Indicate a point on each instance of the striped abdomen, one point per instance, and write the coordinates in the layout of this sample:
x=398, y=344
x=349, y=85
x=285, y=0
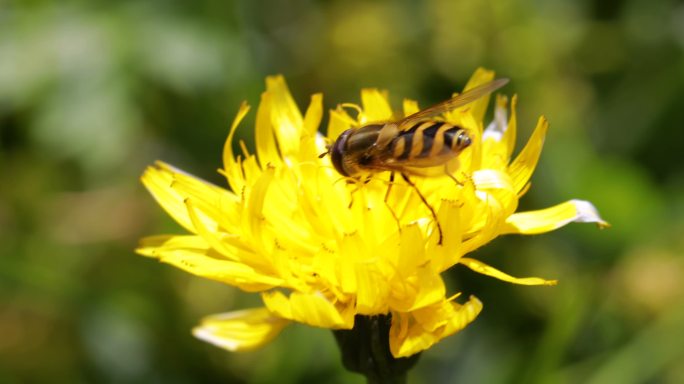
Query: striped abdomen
x=429, y=143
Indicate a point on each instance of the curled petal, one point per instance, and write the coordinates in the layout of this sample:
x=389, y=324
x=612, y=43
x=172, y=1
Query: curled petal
x=497, y=185
x=431, y=288
x=545, y=220
x=496, y=129
x=511, y=130
x=522, y=167
x=498, y=139
x=485, y=269
x=230, y=165
x=240, y=330
x=413, y=332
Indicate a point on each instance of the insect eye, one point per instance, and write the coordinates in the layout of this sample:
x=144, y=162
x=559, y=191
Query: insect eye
x=337, y=151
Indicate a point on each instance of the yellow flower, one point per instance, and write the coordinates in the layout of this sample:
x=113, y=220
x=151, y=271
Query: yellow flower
x=321, y=250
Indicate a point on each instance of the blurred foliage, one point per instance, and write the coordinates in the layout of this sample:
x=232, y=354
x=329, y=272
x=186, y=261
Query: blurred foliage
x=92, y=91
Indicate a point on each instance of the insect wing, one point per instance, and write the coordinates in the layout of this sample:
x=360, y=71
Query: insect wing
x=464, y=98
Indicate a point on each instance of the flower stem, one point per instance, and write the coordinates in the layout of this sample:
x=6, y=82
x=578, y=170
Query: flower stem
x=365, y=349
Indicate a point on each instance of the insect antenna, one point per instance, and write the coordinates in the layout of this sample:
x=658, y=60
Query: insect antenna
x=327, y=150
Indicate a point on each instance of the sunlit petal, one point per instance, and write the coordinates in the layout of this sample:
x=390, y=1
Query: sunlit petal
x=522, y=167
x=545, y=220
x=414, y=332
x=478, y=107
x=203, y=263
x=240, y=330
x=309, y=308
x=485, y=269
x=375, y=106
x=286, y=118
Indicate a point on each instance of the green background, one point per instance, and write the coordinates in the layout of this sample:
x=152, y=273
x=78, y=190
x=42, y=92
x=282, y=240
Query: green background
x=92, y=92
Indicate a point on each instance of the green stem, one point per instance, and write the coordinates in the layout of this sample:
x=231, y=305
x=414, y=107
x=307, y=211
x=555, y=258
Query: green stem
x=365, y=349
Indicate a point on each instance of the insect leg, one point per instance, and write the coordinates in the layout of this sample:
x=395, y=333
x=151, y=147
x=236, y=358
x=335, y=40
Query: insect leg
x=452, y=177
x=351, y=195
x=450, y=168
x=434, y=214
x=358, y=186
x=389, y=188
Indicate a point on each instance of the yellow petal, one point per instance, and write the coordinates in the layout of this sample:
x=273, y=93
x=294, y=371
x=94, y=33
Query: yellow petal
x=497, y=185
x=253, y=219
x=351, y=249
x=163, y=182
x=264, y=137
x=500, y=134
x=422, y=288
x=151, y=246
x=486, y=219
x=310, y=308
x=286, y=118
x=411, y=253
x=227, y=245
x=375, y=106
x=485, y=269
x=218, y=204
x=240, y=330
x=314, y=114
x=372, y=290
x=449, y=252
x=339, y=122
x=545, y=220
x=471, y=159
x=511, y=130
x=431, y=288
x=410, y=107
x=232, y=170
x=522, y=167
x=414, y=332
x=448, y=316
x=191, y=255
x=479, y=107
x=499, y=137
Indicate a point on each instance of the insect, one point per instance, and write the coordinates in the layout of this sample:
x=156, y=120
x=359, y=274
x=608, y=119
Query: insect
x=404, y=146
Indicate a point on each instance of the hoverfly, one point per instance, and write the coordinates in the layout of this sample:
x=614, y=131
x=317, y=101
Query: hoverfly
x=416, y=141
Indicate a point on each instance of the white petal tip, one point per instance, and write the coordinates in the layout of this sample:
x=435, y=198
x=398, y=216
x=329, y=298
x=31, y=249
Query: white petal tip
x=205, y=334
x=587, y=213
